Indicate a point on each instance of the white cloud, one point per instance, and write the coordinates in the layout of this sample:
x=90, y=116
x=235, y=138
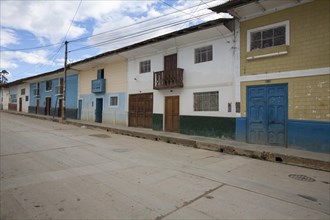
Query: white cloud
x=9, y=59
x=8, y=37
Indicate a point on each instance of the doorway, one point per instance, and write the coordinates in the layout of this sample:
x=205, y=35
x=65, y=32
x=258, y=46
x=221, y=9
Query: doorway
x=20, y=104
x=37, y=105
x=79, y=109
x=172, y=113
x=267, y=114
x=141, y=110
x=48, y=105
x=98, y=110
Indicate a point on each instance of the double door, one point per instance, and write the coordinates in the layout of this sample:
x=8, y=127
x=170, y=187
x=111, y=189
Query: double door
x=267, y=114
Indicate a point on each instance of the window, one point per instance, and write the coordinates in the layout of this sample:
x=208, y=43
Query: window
x=100, y=74
x=22, y=91
x=26, y=98
x=48, y=85
x=145, y=66
x=268, y=36
x=113, y=101
x=203, y=54
x=13, y=98
x=206, y=101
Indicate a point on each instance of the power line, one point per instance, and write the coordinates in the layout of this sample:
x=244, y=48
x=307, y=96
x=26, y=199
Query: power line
x=140, y=33
x=137, y=23
x=29, y=48
x=72, y=20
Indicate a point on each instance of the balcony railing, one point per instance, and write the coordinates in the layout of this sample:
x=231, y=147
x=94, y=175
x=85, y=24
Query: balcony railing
x=98, y=86
x=36, y=92
x=59, y=90
x=168, y=79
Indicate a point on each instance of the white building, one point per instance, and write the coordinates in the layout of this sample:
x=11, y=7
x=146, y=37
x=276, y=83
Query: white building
x=186, y=81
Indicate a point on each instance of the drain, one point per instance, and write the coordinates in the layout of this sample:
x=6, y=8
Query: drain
x=100, y=135
x=301, y=178
x=308, y=197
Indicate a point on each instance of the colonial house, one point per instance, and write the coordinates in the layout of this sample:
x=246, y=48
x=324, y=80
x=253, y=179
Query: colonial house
x=284, y=72
x=46, y=94
x=102, y=90
x=185, y=81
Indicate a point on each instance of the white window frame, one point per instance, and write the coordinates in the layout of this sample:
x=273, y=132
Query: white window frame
x=113, y=106
x=283, y=23
x=200, y=48
x=140, y=66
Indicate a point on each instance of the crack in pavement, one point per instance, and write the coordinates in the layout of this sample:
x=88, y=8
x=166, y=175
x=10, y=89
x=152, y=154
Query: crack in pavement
x=189, y=202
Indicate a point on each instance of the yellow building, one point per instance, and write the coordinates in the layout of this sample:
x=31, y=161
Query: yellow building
x=284, y=72
x=102, y=89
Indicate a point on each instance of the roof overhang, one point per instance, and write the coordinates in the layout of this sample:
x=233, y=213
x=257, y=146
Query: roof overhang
x=248, y=9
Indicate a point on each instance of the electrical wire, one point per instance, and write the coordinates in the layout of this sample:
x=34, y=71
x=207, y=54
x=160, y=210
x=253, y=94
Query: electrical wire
x=140, y=33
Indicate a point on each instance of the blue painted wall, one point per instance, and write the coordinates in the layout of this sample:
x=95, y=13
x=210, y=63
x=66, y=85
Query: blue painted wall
x=241, y=129
x=71, y=94
x=71, y=91
x=309, y=135
x=111, y=115
x=302, y=134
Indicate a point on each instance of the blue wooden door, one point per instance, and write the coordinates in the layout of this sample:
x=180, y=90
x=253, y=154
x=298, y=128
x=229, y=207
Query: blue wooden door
x=98, y=110
x=79, y=109
x=267, y=113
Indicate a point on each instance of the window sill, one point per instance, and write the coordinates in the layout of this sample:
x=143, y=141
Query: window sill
x=267, y=52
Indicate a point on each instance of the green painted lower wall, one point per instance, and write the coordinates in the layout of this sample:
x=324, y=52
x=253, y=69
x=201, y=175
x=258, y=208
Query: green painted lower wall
x=208, y=126
x=157, y=122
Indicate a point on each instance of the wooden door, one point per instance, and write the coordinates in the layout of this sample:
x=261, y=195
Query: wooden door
x=20, y=104
x=170, y=62
x=141, y=110
x=60, y=106
x=48, y=105
x=37, y=105
x=99, y=110
x=172, y=113
x=267, y=114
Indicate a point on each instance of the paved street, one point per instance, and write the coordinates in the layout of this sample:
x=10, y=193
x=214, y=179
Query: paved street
x=55, y=171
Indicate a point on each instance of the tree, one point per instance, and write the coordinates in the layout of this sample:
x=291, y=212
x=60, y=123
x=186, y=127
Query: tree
x=3, y=76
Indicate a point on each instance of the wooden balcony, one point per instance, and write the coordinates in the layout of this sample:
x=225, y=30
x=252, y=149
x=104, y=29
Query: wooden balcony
x=168, y=79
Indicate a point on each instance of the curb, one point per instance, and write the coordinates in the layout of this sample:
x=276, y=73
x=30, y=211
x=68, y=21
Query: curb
x=219, y=147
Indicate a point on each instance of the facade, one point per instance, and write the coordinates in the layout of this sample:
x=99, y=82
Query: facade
x=102, y=92
x=185, y=81
x=284, y=69
x=23, y=96
x=47, y=94
x=4, y=97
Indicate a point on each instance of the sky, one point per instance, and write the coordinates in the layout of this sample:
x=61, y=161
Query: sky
x=33, y=32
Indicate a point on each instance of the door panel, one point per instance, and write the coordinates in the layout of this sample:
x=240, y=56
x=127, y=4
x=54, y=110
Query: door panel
x=141, y=110
x=37, y=105
x=79, y=109
x=99, y=110
x=60, y=106
x=267, y=114
x=20, y=104
x=170, y=62
x=172, y=113
x=48, y=105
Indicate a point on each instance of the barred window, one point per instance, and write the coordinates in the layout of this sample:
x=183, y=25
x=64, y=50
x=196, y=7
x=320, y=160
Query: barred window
x=203, y=54
x=206, y=101
x=145, y=66
x=13, y=98
x=268, y=38
x=113, y=101
x=22, y=91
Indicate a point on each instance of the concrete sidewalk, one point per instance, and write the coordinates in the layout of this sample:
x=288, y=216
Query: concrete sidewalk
x=313, y=160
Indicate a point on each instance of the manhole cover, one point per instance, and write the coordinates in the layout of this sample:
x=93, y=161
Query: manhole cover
x=301, y=178
x=100, y=135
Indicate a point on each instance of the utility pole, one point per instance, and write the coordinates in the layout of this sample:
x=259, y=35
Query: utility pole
x=64, y=81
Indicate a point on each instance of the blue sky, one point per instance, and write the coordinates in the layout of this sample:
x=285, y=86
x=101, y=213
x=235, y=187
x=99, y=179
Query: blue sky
x=33, y=32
